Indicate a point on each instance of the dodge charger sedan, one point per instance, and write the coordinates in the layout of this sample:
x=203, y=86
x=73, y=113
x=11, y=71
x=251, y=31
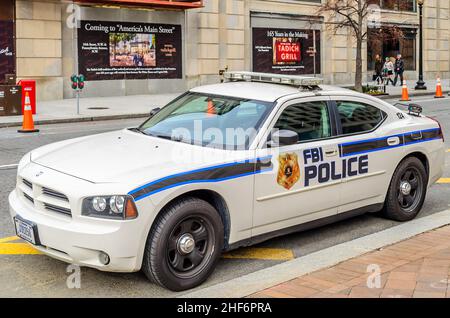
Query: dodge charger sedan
x=220, y=167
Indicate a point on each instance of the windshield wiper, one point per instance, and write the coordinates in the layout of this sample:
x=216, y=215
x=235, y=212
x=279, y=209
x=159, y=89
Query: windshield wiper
x=179, y=139
x=136, y=129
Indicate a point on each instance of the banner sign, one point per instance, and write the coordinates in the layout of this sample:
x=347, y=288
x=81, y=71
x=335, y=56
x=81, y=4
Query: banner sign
x=7, y=60
x=286, y=51
x=120, y=50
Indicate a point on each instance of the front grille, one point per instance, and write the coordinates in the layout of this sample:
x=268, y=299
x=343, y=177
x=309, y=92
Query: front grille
x=27, y=183
x=58, y=209
x=28, y=197
x=44, y=199
x=55, y=194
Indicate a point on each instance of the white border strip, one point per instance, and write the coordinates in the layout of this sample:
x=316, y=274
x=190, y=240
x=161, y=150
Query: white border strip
x=268, y=277
x=4, y=167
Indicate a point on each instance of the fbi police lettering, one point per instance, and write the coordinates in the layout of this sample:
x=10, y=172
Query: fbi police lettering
x=322, y=171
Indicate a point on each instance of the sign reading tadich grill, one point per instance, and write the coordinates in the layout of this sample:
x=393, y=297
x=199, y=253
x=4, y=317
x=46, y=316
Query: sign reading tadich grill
x=286, y=51
x=119, y=50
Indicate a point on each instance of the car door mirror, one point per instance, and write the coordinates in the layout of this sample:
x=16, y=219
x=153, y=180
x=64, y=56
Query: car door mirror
x=283, y=137
x=154, y=111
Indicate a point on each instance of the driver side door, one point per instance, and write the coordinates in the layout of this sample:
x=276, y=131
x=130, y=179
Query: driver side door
x=304, y=184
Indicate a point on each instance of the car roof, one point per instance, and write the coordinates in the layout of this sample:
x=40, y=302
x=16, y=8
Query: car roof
x=261, y=91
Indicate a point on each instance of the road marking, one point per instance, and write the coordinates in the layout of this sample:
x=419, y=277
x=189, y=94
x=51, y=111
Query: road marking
x=8, y=166
x=7, y=248
x=260, y=253
x=444, y=180
x=9, y=239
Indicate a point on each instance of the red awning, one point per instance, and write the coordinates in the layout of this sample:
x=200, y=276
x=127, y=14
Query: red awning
x=176, y=4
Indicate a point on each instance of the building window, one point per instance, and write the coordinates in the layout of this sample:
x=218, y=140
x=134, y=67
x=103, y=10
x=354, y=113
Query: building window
x=390, y=41
x=397, y=5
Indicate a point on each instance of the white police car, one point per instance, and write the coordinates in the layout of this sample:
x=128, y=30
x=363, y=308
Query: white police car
x=224, y=166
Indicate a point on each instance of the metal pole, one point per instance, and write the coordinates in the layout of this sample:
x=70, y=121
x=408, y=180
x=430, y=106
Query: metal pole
x=78, y=101
x=420, y=83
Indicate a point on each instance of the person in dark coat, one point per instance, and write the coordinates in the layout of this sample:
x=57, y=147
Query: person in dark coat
x=378, y=69
x=399, y=68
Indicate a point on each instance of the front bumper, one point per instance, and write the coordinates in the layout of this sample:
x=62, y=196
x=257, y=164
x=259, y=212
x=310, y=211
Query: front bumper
x=80, y=240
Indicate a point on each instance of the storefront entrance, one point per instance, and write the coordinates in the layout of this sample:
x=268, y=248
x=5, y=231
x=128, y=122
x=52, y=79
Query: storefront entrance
x=390, y=41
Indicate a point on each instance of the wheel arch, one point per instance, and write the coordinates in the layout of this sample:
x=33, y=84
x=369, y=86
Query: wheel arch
x=213, y=198
x=422, y=157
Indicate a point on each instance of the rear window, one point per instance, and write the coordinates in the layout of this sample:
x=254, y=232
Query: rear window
x=358, y=117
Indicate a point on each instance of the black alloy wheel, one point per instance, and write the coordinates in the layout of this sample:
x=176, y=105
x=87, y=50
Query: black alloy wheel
x=184, y=244
x=407, y=190
x=189, y=246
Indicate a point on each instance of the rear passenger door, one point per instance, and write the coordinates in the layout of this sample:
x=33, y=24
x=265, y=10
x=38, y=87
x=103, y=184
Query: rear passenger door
x=362, y=155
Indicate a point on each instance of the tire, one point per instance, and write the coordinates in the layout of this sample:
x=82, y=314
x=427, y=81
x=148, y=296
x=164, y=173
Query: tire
x=407, y=191
x=184, y=245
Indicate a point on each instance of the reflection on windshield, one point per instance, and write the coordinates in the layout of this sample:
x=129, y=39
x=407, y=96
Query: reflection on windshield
x=214, y=121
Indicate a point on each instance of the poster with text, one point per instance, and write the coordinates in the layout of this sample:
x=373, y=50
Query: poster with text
x=7, y=61
x=286, y=51
x=120, y=50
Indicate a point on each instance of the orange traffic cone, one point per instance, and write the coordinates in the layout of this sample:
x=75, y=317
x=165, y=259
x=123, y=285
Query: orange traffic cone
x=439, y=89
x=211, y=110
x=28, y=124
x=405, y=96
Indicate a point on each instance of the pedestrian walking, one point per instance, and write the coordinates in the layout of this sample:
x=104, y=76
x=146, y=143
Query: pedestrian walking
x=399, y=69
x=378, y=76
x=388, y=71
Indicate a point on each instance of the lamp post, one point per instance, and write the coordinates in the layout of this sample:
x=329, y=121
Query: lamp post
x=420, y=82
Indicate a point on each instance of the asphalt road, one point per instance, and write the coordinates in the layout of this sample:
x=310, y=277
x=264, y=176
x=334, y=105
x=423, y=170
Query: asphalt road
x=27, y=275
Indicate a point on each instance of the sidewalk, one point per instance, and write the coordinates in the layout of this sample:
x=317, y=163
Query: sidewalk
x=396, y=92
x=416, y=267
x=65, y=110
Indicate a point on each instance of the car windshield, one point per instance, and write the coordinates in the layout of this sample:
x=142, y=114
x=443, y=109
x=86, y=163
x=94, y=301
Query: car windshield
x=207, y=120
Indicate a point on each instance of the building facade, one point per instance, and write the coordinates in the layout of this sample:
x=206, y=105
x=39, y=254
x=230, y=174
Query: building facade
x=127, y=47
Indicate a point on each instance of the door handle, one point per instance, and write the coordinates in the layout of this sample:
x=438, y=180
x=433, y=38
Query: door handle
x=393, y=141
x=331, y=153
x=416, y=135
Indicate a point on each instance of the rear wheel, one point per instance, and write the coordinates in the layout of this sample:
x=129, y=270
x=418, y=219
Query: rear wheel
x=407, y=190
x=184, y=245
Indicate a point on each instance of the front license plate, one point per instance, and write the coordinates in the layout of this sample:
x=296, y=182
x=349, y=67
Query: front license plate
x=25, y=230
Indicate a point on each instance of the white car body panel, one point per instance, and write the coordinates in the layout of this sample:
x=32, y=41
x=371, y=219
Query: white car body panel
x=126, y=162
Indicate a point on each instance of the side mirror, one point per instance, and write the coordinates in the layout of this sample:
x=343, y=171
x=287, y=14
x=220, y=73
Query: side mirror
x=154, y=111
x=283, y=138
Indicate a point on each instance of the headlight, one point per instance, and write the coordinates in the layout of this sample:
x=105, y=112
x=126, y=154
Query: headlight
x=110, y=207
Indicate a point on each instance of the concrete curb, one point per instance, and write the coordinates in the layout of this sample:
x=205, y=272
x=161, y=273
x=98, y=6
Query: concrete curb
x=75, y=120
x=268, y=277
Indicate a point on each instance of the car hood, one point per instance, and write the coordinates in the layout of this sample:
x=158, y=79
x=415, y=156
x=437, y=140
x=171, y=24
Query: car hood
x=127, y=157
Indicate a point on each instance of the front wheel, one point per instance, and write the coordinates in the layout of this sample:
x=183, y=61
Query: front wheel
x=184, y=245
x=407, y=190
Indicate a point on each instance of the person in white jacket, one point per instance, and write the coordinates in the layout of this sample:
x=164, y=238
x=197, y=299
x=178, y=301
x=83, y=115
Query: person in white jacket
x=388, y=71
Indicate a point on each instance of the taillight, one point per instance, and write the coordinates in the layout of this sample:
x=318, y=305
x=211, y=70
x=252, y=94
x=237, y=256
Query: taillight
x=441, y=133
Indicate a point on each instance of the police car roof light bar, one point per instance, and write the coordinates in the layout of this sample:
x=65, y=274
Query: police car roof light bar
x=299, y=81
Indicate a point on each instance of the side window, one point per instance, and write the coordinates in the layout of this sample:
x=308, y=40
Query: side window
x=358, y=117
x=309, y=120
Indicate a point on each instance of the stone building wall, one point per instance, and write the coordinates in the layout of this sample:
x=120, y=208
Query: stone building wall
x=215, y=37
